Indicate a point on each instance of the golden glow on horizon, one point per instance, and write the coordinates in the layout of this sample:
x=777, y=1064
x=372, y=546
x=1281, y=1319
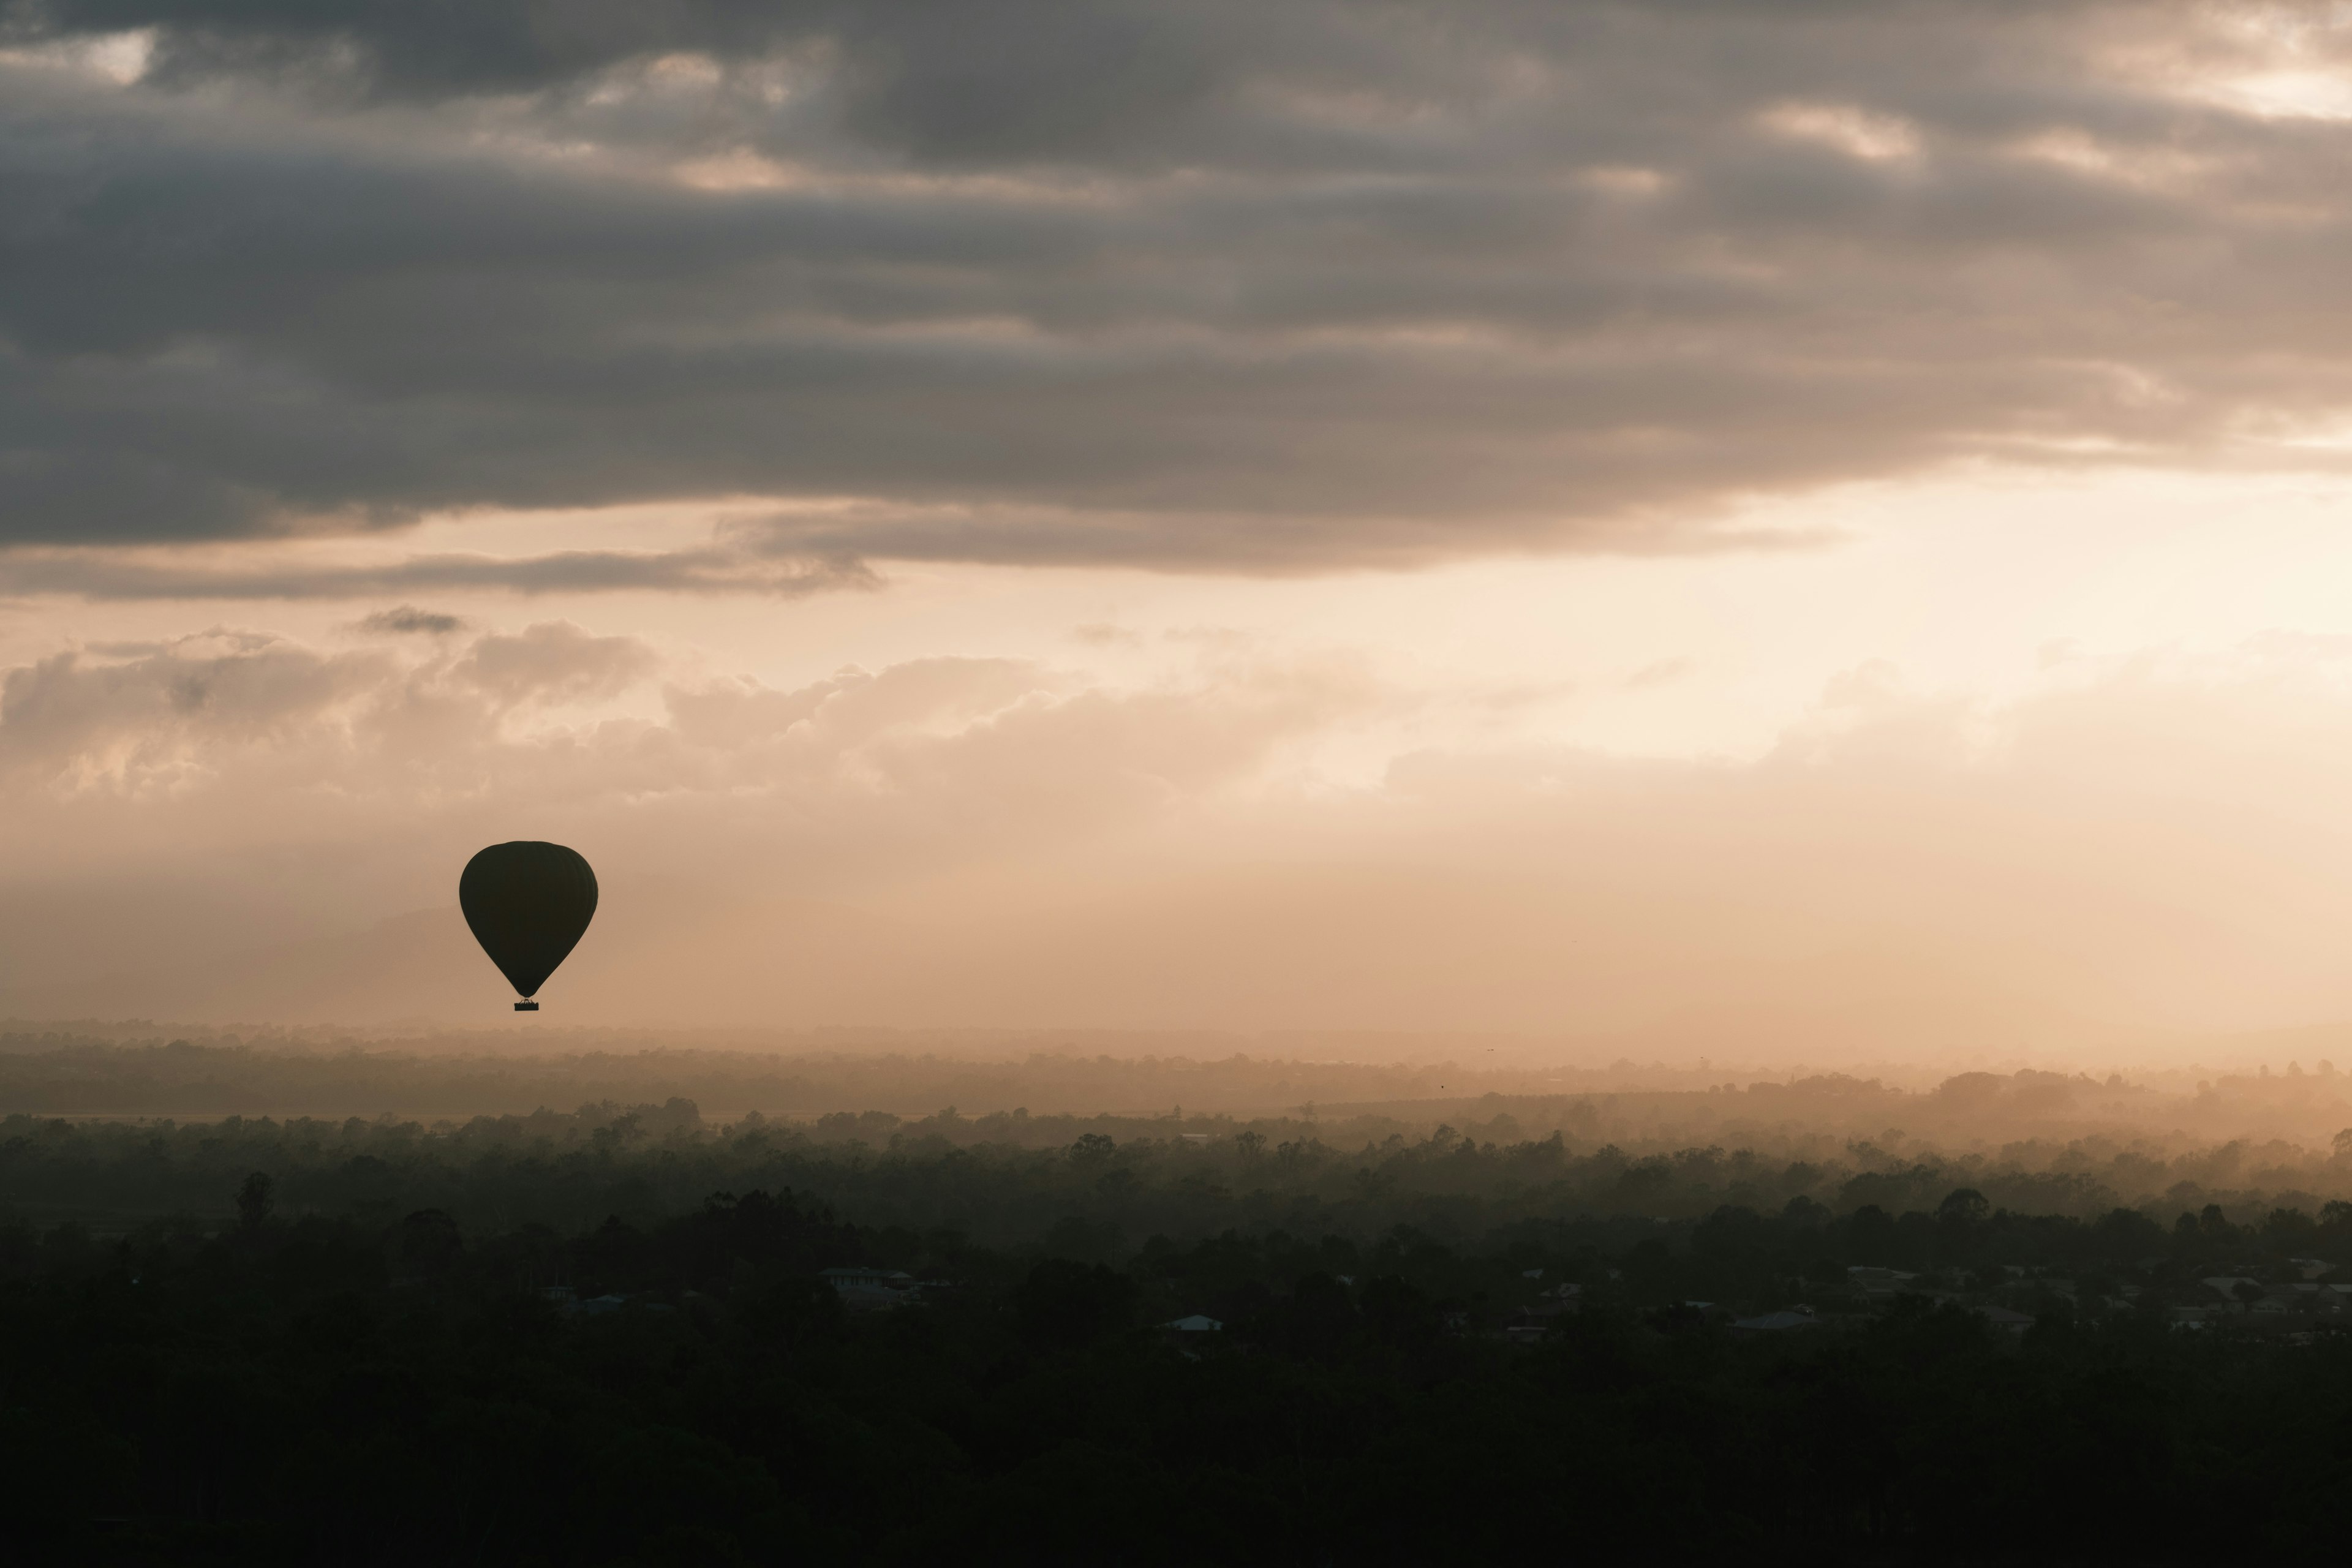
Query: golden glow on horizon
x=1568, y=648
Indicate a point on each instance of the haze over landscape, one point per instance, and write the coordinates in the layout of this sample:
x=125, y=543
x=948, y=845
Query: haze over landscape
x=1357, y=779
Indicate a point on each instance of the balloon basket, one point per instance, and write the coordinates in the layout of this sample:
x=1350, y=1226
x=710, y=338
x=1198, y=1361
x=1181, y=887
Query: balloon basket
x=526, y=1006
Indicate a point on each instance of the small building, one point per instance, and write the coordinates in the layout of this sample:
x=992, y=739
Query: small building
x=868, y=1277
x=1198, y=1323
x=2227, y=1286
x=1785, y=1321
x=869, y=1289
x=2309, y=1298
x=2004, y=1319
x=1878, y=1282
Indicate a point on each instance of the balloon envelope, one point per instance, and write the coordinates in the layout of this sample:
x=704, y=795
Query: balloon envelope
x=528, y=904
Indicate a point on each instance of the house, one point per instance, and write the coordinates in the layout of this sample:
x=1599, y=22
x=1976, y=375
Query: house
x=1878, y=1283
x=868, y=1279
x=1198, y=1323
x=2001, y=1318
x=1782, y=1322
x=566, y=1299
x=869, y=1289
x=2226, y=1286
x=1530, y=1322
x=2306, y=1297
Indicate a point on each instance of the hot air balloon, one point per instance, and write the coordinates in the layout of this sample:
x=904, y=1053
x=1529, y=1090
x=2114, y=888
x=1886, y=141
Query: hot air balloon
x=529, y=903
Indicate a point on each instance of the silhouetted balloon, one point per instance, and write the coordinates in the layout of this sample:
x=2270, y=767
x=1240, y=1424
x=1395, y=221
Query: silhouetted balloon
x=528, y=904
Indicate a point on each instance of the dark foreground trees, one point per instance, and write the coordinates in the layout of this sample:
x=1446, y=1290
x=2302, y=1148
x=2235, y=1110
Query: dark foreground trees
x=692, y=1391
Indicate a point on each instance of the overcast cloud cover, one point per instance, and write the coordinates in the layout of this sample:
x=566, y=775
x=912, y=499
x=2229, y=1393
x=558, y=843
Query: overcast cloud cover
x=335, y=336
x=1231, y=286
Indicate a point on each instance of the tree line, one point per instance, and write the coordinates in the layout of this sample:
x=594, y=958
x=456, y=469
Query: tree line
x=364, y=1375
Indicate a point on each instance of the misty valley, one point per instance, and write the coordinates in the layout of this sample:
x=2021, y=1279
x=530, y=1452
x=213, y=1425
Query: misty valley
x=631, y=1333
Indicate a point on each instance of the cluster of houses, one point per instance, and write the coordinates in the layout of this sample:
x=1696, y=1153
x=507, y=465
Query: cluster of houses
x=2278, y=1299
x=568, y=1302
x=2295, y=1295
x=860, y=1289
x=2287, y=1296
x=1530, y=1323
x=871, y=1289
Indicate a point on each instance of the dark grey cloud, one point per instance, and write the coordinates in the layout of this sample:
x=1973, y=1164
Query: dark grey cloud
x=1016, y=76
x=1198, y=286
x=408, y=620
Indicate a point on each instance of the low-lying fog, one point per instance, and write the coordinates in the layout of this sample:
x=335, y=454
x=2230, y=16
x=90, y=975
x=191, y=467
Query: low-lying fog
x=2247, y=1135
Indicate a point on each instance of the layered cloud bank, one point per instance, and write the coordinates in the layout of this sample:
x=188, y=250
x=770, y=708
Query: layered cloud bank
x=2139, y=847
x=424, y=427
x=1202, y=286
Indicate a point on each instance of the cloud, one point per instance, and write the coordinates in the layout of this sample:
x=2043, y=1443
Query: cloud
x=555, y=661
x=405, y=620
x=102, y=574
x=2137, y=843
x=167, y=716
x=1201, y=286
x=1661, y=672
x=237, y=743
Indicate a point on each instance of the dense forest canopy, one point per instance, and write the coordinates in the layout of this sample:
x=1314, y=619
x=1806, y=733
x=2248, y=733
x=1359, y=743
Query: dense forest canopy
x=1418, y=1364
x=608, y=1334
x=1005, y=1175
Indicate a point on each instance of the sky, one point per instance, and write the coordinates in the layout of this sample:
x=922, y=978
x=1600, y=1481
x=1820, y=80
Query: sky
x=1783, y=527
